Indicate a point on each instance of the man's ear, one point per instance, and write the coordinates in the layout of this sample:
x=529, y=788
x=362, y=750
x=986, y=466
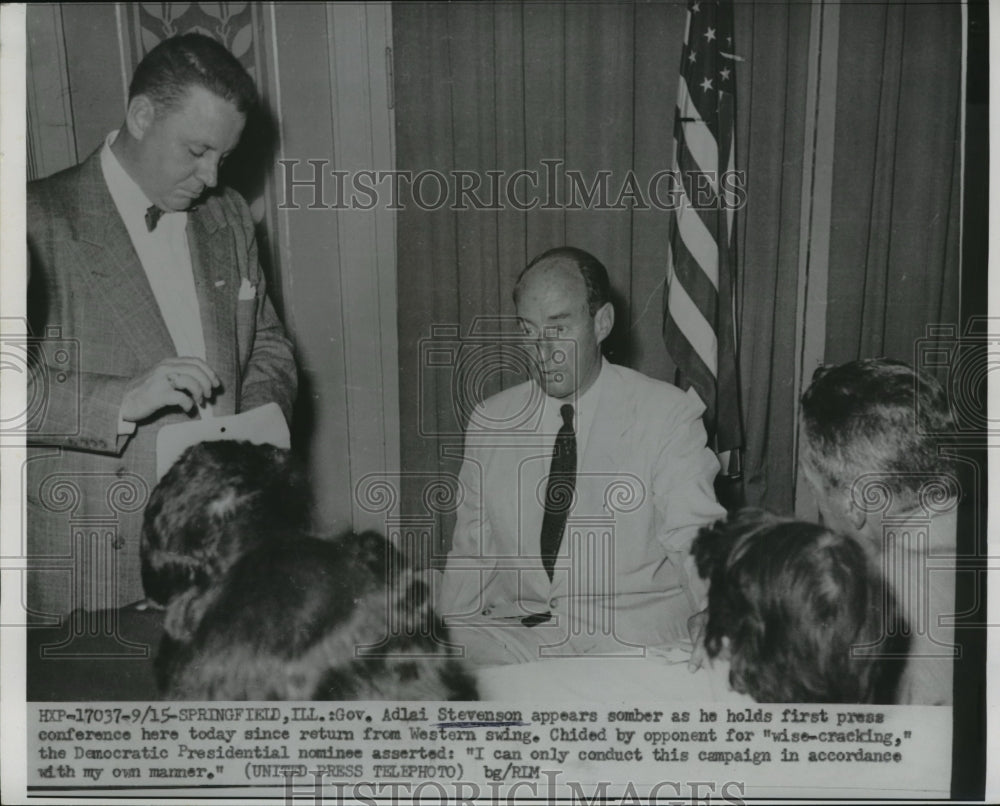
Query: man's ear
x=855, y=514
x=139, y=116
x=604, y=321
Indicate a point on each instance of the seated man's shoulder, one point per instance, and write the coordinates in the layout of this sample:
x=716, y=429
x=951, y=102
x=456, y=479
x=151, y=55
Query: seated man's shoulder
x=515, y=410
x=652, y=393
x=511, y=397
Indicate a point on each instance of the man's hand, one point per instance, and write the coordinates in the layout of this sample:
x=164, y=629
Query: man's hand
x=186, y=382
x=696, y=627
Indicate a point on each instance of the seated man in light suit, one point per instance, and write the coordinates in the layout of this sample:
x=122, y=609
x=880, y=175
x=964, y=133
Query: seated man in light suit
x=148, y=296
x=871, y=456
x=582, y=491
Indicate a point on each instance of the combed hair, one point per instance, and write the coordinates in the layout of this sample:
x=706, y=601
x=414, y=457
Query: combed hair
x=311, y=619
x=175, y=65
x=807, y=615
x=876, y=416
x=591, y=270
x=218, y=500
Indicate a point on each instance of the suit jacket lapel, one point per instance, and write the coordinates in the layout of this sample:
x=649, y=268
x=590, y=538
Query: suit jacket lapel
x=615, y=415
x=525, y=469
x=114, y=268
x=600, y=463
x=215, y=282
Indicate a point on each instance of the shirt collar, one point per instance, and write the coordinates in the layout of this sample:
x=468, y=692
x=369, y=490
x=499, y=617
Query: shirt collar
x=584, y=409
x=586, y=403
x=128, y=197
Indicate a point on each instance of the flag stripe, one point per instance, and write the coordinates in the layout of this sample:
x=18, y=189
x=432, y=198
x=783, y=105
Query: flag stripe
x=698, y=332
x=696, y=283
x=705, y=208
x=701, y=142
x=700, y=377
x=686, y=134
x=699, y=241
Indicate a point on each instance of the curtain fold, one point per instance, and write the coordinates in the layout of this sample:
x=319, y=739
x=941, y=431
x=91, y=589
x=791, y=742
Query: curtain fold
x=771, y=100
x=894, y=246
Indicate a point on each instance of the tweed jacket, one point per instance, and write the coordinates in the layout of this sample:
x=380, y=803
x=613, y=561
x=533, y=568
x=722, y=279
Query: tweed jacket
x=99, y=325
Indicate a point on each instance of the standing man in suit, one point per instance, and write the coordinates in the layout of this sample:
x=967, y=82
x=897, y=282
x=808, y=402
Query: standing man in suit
x=145, y=275
x=582, y=490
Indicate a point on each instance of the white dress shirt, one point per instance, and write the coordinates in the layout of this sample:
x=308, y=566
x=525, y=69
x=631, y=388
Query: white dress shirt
x=165, y=258
x=584, y=408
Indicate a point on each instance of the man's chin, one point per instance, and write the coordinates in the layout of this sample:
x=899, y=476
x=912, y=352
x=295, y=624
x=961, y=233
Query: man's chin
x=181, y=201
x=175, y=205
x=558, y=390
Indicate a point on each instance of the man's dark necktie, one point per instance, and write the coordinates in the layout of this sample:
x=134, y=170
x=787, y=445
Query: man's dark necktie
x=558, y=497
x=153, y=214
x=559, y=491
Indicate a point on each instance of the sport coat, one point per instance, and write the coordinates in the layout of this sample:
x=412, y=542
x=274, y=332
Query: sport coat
x=100, y=326
x=644, y=486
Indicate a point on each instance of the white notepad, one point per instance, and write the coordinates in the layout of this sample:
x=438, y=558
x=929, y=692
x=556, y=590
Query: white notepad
x=262, y=425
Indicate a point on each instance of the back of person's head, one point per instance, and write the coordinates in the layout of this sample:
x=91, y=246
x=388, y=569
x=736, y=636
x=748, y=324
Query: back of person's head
x=311, y=619
x=803, y=613
x=875, y=416
x=594, y=275
x=175, y=65
x=219, y=500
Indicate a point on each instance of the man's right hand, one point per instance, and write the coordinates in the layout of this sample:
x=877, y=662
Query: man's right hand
x=186, y=382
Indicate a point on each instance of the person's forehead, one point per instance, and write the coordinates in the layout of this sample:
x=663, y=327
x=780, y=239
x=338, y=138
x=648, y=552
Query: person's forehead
x=201, y=110
x=556, y=283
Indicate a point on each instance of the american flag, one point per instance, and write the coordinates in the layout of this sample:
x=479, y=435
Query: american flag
x=698, y=320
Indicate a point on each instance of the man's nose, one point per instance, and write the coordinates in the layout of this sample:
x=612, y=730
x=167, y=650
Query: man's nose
x=552, y=352
x=208, y=174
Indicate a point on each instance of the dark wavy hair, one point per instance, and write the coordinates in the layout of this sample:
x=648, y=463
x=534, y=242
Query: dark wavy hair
x=807, y=615
x=216, y=502
x=311, y=619
x=594, y=275
x=876, y=416
x=175, y=65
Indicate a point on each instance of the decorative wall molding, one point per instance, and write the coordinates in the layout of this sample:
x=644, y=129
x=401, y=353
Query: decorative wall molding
x=233, y=24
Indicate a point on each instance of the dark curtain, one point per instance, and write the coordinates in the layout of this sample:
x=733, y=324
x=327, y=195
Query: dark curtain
x=894, y=246
x=771, y=113
x=502, y=87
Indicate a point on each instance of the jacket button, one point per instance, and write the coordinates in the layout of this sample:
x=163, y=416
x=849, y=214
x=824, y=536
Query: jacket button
x=553, y=603
x=487, y=611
